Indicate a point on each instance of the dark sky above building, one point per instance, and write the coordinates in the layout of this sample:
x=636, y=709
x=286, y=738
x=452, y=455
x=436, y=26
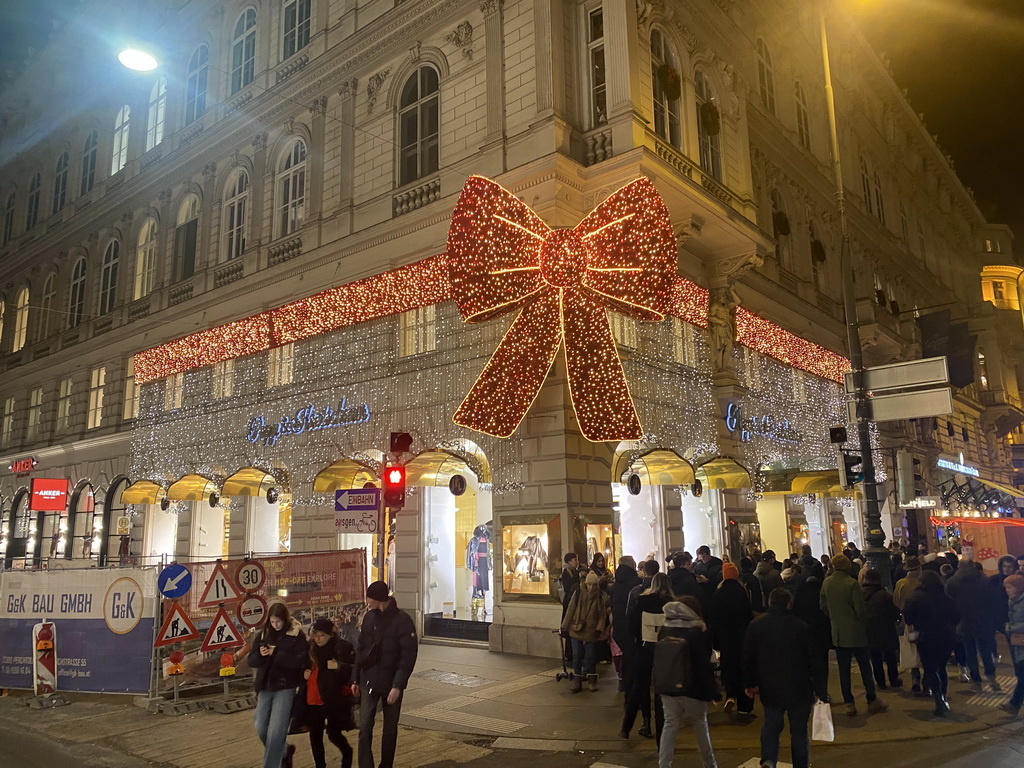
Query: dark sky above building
x=961, y=60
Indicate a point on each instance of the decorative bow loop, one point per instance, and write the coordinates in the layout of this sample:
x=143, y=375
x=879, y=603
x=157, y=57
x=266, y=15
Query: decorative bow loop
x=502, y=257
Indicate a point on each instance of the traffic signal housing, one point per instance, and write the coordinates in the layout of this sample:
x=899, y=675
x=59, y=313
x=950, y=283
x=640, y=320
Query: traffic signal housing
x=851, y=470
x=394, y=486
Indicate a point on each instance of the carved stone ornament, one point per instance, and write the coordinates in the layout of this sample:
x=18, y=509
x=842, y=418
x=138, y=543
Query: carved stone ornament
x=348, y=88
x=722, y=303
x=126, y=218
x=208, y=171
x=373, y=89
x=318, y=107
x=489, y=7
x=164, y=196
x=462, y=38
x=726, y=270
x=289, y=126
x=259, y=141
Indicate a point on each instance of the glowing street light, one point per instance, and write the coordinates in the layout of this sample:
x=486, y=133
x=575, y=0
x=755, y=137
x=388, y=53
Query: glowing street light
x=137, y=59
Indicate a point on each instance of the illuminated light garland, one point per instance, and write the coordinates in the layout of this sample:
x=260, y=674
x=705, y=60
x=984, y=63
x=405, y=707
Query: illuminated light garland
x=502, y=256
x=766, y=337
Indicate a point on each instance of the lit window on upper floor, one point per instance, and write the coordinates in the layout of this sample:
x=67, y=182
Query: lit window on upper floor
x=765, y=76
x=35, y=414
x=60, y=184
x=197, y=81
x=667, y=86
x=174, y=391
x=623, y=329
x=243, y=51
x=597, y=77
x=7, y=427
x=418, y=126
x=21, y=309
x=684, y=343
x=109, y=277
x=281, y=365
x=119, y=152
x=236, y=205
x=76, y=294
x=145, y=259
x=155, y=116
x=290, y=186
x=296, y=26
x=63, y=422
x=186, y=235
x=97, y=382
x=417, y=331
x=223, y=384
x=709, y=125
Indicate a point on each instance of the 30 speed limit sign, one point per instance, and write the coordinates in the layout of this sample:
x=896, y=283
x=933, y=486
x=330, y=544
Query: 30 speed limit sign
x=251, y=576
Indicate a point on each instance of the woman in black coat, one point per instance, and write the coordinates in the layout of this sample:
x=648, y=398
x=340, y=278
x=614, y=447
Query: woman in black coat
x=933, y=615
x=625, y=579
x=883, y=637
x=730, y=616
x=329, y=692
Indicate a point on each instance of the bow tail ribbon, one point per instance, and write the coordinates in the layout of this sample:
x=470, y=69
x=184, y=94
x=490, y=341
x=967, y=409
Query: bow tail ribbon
x=597, y=383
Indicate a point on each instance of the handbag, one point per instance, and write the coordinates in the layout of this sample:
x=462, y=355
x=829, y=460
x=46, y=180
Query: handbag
x=821, y=722
x=909, y=658
x=1017, y=639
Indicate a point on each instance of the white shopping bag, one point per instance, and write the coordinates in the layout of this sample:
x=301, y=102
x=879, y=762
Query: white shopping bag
x=908, y=654
x=650, y=625
x=821, y=723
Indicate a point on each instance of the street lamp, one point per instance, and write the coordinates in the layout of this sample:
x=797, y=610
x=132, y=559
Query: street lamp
x=137, y=59
x=875, y=552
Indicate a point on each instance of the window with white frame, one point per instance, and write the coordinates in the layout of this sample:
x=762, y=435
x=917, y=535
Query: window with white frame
x=684, y=343
x=89, y=164
x=803, y=124
x=60, y=183
x=418, y=126
x=865, y=183
x=666, y=80
x=108, y=277
x=35, y=414
x=34, y=191
x=243, y=51
x=709, y=126
x=281, y=365
x=186, y=235
x=751, y=368
x=46, y=309
x=20, y=319
x=155, y=117
x=291, y=189
x=174, y=391
x=595, y=68
x=63, y=422
x=623, y=329
x=9, y=218
x=145, y=259
x=235, y=208
x=417, y=331
x=97, y=381
x=296, y=26
x=196, y=84
x=879, y=200
x=223, y=378
x=7, y=429
x=798, y=381
x=131, y=392
x=76, y=295
x=119, y=155
x=765, y=76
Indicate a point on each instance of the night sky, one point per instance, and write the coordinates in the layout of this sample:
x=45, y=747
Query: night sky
x=962, y=61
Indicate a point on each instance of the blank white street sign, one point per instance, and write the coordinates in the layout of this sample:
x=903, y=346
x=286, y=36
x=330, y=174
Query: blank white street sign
x=930, y=372
x=906, y=405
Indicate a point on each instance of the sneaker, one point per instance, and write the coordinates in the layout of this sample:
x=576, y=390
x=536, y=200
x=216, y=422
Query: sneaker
x=730, y=706
x=877, y=706
x=994, y=686
x=964, y=675
x=623, y=734
x=976, y=687
x=851, y=709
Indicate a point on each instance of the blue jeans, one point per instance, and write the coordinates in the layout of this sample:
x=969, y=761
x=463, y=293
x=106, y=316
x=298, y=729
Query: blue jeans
x=273, y=714
x=584, y=657
x=846, y=655
x=772, y=729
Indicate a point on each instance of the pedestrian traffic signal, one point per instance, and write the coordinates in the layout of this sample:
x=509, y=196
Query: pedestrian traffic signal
x=850, y=469
x=394, y=486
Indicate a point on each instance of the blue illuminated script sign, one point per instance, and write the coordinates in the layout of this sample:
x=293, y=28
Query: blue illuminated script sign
x=765, y=426
x=307, y=419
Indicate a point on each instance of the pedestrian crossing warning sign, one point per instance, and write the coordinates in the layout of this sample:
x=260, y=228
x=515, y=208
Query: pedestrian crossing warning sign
x=219, y=589
x=222, y=634
x=177, y=628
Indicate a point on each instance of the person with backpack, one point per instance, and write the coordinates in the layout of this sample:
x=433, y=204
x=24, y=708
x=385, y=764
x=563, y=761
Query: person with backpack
x=684, y=680
x=652, y=601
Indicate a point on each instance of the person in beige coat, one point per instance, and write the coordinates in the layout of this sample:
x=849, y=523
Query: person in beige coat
x=586, y=620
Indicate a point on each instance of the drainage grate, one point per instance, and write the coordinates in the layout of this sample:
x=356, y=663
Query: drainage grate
x=452, y=678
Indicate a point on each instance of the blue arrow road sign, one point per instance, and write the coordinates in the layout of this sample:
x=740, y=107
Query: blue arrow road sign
x=361, y=500
x=175, y=581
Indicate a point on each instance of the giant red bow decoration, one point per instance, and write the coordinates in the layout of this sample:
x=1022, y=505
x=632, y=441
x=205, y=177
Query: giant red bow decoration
x=622, y=256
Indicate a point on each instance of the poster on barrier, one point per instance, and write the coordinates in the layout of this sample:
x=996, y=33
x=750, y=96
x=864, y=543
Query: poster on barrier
x=104, y=619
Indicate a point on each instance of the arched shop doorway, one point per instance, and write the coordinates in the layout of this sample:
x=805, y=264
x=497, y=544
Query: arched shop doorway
x=260, y=517
x=115, y=544
x=346, y=474
x=19, y=541
x=807, y=507
x=84, y=526
x=202, y=529
x=153, y=527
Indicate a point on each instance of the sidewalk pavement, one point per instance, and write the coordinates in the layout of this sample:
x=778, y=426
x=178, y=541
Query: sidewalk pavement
x=464, y=703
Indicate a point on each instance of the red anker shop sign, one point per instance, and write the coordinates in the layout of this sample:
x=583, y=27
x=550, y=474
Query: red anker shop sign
x=23, y=466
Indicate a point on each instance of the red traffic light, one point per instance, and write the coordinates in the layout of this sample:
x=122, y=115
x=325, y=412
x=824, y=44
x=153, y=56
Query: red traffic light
x=395, y=476
x=394, y=486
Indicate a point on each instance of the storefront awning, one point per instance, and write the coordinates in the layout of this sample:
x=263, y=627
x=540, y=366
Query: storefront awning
x=824, y=483
x=248, y=481
x=191, y=488
x=343, y=474
x=723, y=473
x=142, y=492
x=663, y=467
x=435, y=468
x=1015, y=493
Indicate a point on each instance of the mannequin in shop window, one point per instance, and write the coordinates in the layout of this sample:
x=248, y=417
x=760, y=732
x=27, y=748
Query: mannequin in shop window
x=531, y=559
x=478, y=561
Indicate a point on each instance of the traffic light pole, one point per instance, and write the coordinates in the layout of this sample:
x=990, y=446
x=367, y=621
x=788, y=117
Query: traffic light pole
x=874, y=545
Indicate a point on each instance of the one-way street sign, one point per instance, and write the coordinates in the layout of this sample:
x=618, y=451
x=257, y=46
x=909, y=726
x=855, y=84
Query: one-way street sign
x=357, y=500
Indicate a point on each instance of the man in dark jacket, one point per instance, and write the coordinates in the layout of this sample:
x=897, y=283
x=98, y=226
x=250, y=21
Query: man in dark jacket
x=782, y=666
x=385, y=657
x=626, y=579
x=730, y=617
x=972, y=593
x=881, y=617
x=707, y=569
x=753, y=585
x=683, y=580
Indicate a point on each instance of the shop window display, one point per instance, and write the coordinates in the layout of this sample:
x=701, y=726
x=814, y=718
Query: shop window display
x=744, y=540
x=531, y=546
x=640, y=523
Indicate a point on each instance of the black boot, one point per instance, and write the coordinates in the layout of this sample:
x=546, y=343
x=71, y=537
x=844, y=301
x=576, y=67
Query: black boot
x=645, y=729
x=346, y=754
x=941, y=705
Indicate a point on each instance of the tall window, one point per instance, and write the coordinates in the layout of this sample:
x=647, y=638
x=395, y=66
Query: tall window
x=819, y=257
x=64, y=405
x=155, y=117
x=765, y=76
x=223, y=378
x=234, y=215
x=131, y=392
x=20, y=319
x=76, y=296
x=60, y=183
x=865, y=183
x=780, y=228
x=879, y=200
x=174, y=391
x=665, y=76
x=281, y=365
x=89, y=164
x=185, y=237
x=418, y=126
x=803, y=125
x=709, y=127
x=108, y=277
x=195, y=88
x=35, y=414
x=32, y=214
x=296, y=26
x=7, y=429
x=9, y=218
x=145, y=260
x=119, y=156
x=97, y=381
x=417, y=331
x=684, y=343
x=46, y=305
x=623, y=329
x=243, y=51
x=291, y=189
x=595, y=62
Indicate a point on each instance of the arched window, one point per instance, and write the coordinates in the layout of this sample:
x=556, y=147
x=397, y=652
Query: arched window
x=865, y=183
x=145, y=259
x=60, y=183
x=780, y=228
x=418, y=126
x=709, y=126
x=195, y=89
x=9, y=218
x=155, y=117
x=803, y=125
x=89, y=164
x=765, y=76
x=32, y=214
x=291, y=189
x=185, y=238
x=243, y=51
x=20, y=319
x=108, y=277
x=296, y=26
x=46, y=305
x=667, y=85
x=819, y=257
x=119, y=156
x=879, y=200
x=235, y=205
x=76, y=296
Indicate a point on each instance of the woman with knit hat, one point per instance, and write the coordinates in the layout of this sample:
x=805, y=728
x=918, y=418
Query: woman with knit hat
x=730, y=616
x=329, y=692
x=586, y=620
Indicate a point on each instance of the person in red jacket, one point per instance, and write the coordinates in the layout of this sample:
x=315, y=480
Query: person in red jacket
x=329, y=692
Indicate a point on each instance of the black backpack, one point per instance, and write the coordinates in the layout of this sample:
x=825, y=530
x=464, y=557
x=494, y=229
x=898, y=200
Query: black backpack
x=673, y=664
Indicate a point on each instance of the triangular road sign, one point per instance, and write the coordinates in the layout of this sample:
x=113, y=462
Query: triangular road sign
x=219, y=589
x=177, y=628
x=222, y=633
